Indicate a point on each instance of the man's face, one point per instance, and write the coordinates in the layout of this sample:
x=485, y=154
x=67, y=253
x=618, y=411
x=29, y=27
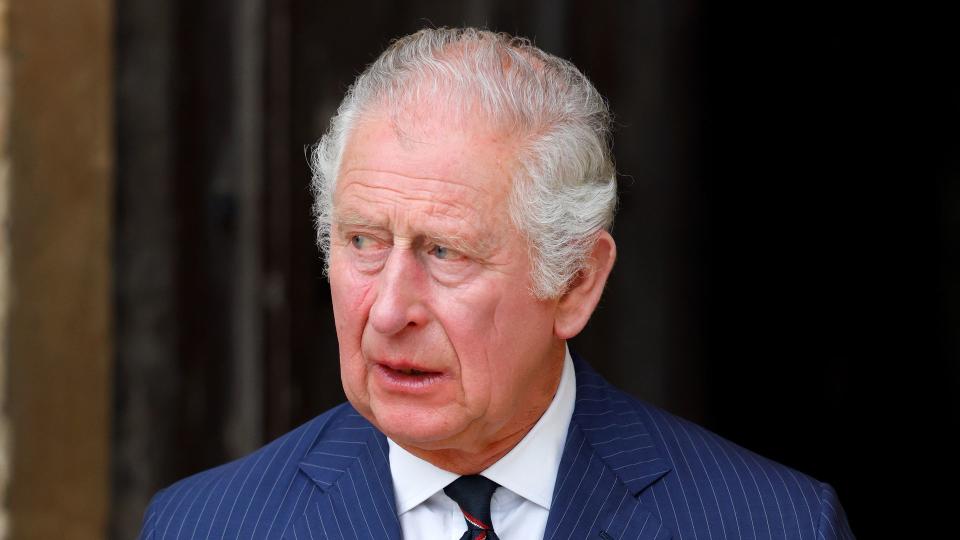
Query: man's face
x=442, y=345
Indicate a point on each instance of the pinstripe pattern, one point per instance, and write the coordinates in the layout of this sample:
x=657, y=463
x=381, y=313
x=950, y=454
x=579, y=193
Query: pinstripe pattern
x=629, y=470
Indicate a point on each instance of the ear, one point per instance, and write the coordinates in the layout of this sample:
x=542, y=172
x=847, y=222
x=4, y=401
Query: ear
x=577, y=304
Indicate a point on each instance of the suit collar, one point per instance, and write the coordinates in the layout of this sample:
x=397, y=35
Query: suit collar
x=614, y=430
x=609, y=458
x=349, y=465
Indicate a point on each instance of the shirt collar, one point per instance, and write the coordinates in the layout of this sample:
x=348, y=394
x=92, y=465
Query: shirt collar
x=529, y=469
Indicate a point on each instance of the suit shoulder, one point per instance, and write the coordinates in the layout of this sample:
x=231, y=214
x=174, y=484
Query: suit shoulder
x=715, y=476
x=684, y=440
x=234, y=493
x=684, y=444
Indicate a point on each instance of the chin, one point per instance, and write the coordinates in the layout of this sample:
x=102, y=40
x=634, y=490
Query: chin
x=422, y=427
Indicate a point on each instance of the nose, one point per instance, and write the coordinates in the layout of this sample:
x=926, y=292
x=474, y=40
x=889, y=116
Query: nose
x=399, y=301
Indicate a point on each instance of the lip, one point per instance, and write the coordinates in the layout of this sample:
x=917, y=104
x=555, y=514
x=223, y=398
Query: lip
x=402, y=364
x=392, y=376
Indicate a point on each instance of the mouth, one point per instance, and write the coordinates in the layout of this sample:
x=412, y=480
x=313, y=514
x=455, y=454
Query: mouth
x=412, y=371
x=404, y=377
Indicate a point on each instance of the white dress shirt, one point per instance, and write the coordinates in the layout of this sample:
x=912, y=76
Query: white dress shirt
x=527, y=474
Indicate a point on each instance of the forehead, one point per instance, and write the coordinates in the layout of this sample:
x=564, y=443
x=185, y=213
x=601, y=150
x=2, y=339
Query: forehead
x=424, y=144
x=446, y=169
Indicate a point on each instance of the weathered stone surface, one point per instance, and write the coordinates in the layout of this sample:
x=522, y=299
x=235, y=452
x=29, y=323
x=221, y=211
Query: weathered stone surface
x=58, y=345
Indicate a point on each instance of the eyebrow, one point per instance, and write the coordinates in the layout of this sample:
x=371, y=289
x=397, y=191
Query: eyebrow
x=353, y=219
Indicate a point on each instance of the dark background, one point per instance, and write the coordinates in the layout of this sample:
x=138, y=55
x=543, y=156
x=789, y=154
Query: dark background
x=788, y=228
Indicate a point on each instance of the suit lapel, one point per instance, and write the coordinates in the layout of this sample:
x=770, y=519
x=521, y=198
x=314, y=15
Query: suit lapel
x=350, y=467
x=608, y=459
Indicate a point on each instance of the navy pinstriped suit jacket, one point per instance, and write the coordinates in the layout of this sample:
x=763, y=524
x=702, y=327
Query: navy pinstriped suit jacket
x=629, y=470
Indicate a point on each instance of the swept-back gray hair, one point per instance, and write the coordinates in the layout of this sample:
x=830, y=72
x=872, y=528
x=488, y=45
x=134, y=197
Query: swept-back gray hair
x=564, y=192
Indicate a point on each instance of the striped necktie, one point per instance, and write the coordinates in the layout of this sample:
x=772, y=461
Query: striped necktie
x=472, y=494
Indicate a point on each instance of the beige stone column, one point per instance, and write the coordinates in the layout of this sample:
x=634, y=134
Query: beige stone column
x=55, y=177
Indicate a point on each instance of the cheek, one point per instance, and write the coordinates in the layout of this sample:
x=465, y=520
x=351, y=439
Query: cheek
x=480, y=340
x=350, y=294
x=525, y=327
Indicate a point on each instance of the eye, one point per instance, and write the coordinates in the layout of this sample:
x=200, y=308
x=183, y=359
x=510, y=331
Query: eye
x=445, y=253
x=359, y=241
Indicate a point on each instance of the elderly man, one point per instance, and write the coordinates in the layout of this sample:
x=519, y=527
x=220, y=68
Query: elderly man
x=463, y=196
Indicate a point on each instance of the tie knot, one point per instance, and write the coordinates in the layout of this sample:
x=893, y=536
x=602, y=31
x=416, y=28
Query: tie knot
x=473, y=494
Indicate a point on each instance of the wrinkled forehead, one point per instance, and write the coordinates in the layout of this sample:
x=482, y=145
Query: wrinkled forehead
x=434, y=140
x=453, y=166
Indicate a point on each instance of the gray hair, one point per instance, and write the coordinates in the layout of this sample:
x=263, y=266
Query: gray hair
x=565, y=191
